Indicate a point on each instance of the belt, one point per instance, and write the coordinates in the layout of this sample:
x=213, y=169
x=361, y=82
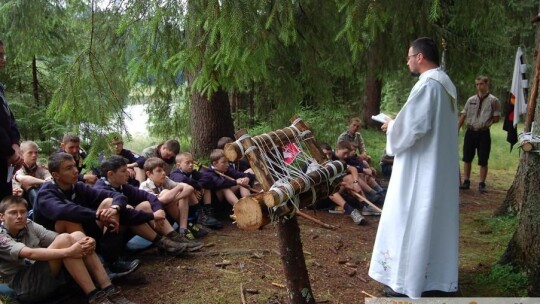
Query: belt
x=477, y=129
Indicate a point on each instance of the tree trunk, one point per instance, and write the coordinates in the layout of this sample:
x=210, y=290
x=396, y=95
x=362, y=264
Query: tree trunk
x=251, y=115
x=372, y=100
x=524, y=249
x=373, y=87
x=35, y=83
x=210, y=120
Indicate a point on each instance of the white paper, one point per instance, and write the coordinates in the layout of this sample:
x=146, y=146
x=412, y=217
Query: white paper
x=381, y=117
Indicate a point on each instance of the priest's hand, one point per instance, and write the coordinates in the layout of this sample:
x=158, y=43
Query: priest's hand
x=384, y=127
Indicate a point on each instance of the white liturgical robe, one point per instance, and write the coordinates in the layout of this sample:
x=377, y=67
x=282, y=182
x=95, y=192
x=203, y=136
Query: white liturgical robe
x=416, y=248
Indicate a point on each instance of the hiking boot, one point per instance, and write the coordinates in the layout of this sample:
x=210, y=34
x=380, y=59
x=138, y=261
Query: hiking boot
x=466, y=185
x=207, y=218
x=123, y=267
x=482, y=187
x=357, y=217
x=369, y=210
x=99, y=298
x=169, y=246
x=115, y=296
x=191, y=245
x=195, y=231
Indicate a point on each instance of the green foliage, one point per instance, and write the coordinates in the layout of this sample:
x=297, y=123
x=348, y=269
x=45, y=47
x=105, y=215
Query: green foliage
x=505, y=278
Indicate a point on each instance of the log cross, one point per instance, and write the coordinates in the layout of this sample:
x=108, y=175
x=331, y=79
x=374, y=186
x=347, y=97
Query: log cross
x=252, y=212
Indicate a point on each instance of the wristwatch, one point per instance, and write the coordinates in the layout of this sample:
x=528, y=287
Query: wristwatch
x=116, y=207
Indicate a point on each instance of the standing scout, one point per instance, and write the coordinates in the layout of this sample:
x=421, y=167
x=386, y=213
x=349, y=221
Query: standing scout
x=480, y=112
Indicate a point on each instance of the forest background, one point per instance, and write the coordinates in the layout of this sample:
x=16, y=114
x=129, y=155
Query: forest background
x=205, y=68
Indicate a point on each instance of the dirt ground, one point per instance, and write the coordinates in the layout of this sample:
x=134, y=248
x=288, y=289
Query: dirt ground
x=337, y=262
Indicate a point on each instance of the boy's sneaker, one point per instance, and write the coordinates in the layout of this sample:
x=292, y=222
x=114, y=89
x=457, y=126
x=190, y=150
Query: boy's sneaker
x=368, y=210
x=466, y=185
x=169, y=246
x=482, y=187
x=123, y=267
x=337, y=210
x=195, y=231
x=99, y=298
x=357, y=217
x=207, y=218
x=115, y=296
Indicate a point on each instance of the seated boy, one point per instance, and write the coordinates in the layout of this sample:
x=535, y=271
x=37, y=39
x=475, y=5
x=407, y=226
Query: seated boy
x=215, y=179
x=31, y=175
x=342, y=152
x=242, y=164
x=71, y=144
x=350, y=182
x=185, y=173
x=175, y=197
x=37, y=262
x=66, y=205
x=144, y=209
x=387, y=161
x=135, y=162
x=166, y=151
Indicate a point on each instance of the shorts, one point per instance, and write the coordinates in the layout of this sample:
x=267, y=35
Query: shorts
x=35, y=282
x=477, y=142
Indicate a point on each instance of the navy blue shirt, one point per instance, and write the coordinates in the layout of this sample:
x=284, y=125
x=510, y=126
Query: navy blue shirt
x=76, y=205
x=191, y=179
x=211, y=180
x=134, y=196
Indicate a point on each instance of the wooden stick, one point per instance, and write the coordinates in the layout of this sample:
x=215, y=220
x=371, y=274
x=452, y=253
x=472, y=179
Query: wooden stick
x=366, y=200
x=227, y=252
x=230, y=178
x=369, y=295
x=309, y=217
x=242, y=296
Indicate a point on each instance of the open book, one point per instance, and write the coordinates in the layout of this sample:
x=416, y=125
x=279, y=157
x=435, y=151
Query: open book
x=381, y=117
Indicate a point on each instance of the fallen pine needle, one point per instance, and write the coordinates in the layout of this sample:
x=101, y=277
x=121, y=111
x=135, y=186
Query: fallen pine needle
x=278, y=285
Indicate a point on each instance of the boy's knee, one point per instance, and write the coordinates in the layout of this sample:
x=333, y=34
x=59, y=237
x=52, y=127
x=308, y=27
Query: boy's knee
x=145, y=206
x=64, y=240
x=78, y=235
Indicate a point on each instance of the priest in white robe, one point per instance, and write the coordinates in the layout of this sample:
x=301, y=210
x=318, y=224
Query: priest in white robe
x=416, y=248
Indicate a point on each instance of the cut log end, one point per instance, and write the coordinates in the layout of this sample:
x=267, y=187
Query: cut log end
x=232, y=152
x=249, y=214
x=527, y=146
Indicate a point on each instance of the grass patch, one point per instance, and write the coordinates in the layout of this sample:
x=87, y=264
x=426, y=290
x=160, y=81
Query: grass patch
x=504, y=279
x=483, y=240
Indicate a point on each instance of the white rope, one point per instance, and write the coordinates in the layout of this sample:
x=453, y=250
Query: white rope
x=285, y=174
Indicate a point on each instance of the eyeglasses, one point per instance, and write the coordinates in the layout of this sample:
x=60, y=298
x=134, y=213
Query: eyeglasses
x=409, y=56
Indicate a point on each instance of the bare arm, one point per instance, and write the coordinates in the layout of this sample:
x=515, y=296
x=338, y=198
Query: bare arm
x=461, y=120
x=28, y=181
x=47, y=254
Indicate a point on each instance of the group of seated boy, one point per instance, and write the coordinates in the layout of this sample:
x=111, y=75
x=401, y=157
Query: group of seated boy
x=97, y=209
x=76, y=212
